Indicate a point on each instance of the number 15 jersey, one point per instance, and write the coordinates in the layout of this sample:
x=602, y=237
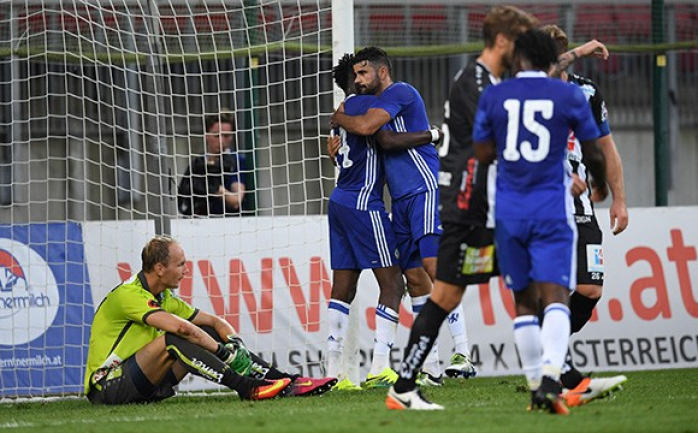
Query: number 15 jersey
x=529, y=119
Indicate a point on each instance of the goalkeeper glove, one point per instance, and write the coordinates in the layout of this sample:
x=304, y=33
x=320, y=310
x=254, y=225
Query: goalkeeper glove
x=241, y=361
x=235, y=355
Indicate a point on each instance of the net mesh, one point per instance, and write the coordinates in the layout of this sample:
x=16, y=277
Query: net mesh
x=103, y=108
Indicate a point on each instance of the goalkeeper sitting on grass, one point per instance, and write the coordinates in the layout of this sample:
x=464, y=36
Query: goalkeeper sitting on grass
x=144, y=341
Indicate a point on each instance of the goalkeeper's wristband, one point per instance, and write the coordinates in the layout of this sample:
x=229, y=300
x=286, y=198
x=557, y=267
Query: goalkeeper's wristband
x=223, y=353
x=434, y=135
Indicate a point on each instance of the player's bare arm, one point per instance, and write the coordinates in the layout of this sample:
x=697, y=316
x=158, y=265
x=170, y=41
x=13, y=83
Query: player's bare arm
x=223, y=328
x=578, y=185
x=391, y=140
x=233, y=197
x=614, y=175
x=365, y=124
x=485, y=152
x=592, y=48
x=176, y=325
x=594, y=159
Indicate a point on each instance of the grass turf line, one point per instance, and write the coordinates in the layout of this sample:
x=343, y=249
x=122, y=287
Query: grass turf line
x=656, y=401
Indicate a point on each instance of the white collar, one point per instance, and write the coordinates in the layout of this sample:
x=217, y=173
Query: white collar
x=531, y=74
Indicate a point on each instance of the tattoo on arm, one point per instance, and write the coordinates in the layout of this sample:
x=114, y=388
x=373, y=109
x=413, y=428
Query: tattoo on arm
x=564, y=61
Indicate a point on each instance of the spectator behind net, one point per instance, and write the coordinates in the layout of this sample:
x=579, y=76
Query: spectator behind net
x=213, y=184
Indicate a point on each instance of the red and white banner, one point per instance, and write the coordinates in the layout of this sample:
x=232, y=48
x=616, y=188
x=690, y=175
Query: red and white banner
x=271, y=279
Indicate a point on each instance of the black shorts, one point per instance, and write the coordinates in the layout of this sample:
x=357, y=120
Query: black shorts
x=466, y=255
x=589, y=251
x=127, y=384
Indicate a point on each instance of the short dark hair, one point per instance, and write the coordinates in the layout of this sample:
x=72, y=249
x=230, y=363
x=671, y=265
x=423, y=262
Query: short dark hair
x=343, y=72
x=157, y=250
x=538, y=47
x=374, y=55
x=222, y=117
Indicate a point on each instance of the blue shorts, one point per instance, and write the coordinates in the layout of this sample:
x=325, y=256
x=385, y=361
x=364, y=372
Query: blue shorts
x=360, y=239
x=537, y=251
x=415, y=217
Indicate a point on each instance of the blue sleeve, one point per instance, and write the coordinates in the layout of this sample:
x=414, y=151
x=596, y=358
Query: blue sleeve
x=482, y=127
x=604, y=128
x=358, y=105
x=584, y=126
x=394, y=99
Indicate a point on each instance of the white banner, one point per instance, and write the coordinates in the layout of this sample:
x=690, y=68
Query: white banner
x=270, y=277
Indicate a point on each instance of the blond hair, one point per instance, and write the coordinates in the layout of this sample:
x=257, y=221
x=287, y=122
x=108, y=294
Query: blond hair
x=558, y=35
x=507, y=20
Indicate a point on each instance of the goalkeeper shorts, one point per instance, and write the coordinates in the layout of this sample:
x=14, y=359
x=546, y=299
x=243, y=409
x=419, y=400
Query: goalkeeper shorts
x=127, y=384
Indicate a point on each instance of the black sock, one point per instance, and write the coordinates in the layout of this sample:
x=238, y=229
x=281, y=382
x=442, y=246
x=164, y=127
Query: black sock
x=424, y=332
x=260, y=368
x=572, y=377
x=581, y=308
x=203, y=363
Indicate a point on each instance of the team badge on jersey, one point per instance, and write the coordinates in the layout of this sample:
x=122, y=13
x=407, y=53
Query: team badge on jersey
x=152, y=303
x=594, y=258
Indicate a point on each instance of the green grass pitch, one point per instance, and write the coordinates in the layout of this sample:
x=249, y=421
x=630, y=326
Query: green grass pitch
x=652, y=401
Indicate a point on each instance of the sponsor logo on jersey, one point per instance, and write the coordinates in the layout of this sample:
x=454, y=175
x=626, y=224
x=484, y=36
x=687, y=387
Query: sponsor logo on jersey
x=594, y=258
x=29, y=297
x=588, y=90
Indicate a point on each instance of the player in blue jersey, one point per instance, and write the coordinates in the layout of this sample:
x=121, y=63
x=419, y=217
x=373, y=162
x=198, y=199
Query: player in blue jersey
x=590, y=272
x=411, y=178
x=361, y=235
x=525, y=122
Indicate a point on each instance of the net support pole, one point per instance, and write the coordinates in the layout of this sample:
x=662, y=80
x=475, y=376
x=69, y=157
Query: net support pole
x=19, y=159
x=249, y=112
x=660, y=109
x=342, y=43
x=158, y=160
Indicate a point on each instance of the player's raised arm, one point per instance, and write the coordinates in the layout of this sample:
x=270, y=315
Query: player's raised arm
x=592, y=48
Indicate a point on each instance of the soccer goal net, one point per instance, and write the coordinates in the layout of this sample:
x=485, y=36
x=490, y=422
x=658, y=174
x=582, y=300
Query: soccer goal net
x=122, y=119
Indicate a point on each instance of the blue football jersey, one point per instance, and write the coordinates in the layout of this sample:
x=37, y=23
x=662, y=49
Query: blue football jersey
x=361, y=173
x=529, y=119
x=415, y=170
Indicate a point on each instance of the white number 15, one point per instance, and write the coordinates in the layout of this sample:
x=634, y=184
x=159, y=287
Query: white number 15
x=512, y=151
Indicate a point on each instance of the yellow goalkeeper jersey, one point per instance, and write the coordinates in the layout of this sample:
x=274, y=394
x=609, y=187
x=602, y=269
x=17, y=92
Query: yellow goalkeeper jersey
x=119, y=329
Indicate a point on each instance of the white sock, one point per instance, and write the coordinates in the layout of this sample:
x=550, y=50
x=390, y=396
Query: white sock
x=384, y=339
x=555, y=336
x=432, y=364
x=456, y=324
x=528, y=343
x=337, y=321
